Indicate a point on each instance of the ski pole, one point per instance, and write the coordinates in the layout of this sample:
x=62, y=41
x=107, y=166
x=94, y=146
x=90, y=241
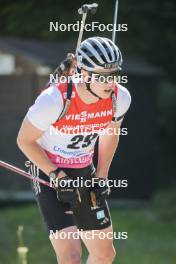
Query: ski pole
x=24, y=173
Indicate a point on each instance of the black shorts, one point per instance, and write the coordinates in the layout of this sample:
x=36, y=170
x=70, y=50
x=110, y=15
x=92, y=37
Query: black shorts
x=58, y=215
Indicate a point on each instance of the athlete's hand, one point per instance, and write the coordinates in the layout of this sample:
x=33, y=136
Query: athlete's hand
x=100, y=188
x=68, y=66
x=65, y=191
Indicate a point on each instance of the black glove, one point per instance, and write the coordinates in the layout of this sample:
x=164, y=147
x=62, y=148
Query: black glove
x=99, y=191
x=65, y=191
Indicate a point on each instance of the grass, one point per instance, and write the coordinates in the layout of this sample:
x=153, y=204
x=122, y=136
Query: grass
x=151, y=238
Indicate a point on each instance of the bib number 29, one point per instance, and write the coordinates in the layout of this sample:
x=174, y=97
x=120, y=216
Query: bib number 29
x=81, y=141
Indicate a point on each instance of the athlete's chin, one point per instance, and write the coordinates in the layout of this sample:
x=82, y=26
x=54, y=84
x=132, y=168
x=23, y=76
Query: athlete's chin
x=106, y=94
x=105, y=97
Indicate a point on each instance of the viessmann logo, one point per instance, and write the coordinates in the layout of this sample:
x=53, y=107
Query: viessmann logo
x=84, y=115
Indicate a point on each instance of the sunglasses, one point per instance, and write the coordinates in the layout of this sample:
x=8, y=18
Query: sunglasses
x=105, y=77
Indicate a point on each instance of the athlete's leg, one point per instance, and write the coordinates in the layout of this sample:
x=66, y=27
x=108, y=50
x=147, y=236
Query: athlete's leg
x=92, y=216
x=101, y=250
x=67, y=248
x=58, y=218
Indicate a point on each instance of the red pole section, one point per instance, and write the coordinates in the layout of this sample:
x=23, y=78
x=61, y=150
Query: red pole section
x=24, y=173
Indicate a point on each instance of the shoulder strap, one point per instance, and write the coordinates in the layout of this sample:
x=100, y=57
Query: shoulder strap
x=68, y=100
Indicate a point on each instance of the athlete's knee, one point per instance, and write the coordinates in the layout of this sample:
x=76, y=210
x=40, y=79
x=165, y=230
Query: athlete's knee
x=106, y=257
x=72, y=257
x=68, y=253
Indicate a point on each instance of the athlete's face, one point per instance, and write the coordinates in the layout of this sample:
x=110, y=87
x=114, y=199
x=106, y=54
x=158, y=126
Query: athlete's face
x=103, y=83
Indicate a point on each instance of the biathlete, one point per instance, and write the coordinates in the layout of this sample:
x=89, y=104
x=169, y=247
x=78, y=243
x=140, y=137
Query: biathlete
x=62, y=147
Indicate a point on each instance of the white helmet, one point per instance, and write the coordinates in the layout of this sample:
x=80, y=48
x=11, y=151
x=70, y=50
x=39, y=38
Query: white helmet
x=98, y=53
